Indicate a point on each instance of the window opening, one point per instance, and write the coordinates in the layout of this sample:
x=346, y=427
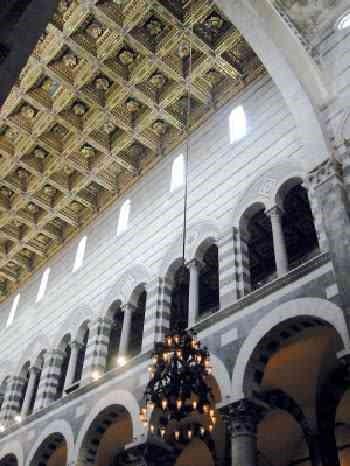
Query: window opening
x=344, y=21
x=79, y=256
x=177, y=173
x=238, y=124
x=123, y=217
x=12, y=312
x=43, y=285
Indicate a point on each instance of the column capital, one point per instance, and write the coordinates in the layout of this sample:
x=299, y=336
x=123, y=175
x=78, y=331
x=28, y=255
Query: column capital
x=194, y=263
x=243, y=417
x=323, y=172
x=75, y=344
x=274, y=211
x=35, y=370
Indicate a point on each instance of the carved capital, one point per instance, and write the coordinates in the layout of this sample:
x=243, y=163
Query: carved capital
x=275, y=211
x=323, y=172
x=243, y=417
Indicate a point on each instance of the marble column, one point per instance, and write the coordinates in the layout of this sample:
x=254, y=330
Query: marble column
x=193, y=295
x=124, y=338
x=33, y=376
x=74, y=353
x=279, y=244
x=242, y=419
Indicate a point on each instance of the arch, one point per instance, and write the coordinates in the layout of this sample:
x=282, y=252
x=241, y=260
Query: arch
x=265, y=186
x=33, y=350
x=13, y=448
x=117, y=397
x=196, y=234
x=304, y=95
x=124, y=286
x=222, y=377
x=311, y=307
x=59, y=426
x=72, y=323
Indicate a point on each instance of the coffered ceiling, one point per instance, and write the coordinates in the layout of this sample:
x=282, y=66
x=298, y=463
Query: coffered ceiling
x=102, y=99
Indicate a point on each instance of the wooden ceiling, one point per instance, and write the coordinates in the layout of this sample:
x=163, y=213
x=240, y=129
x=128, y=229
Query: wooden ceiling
x=102, y=98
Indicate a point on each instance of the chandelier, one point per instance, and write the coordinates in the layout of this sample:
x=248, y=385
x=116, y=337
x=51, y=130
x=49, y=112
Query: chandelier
x=179, y=402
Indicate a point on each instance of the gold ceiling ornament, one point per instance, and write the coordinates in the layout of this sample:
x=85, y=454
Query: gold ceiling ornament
x=132, y=105
x=40, y=153
x=112, y=77
x=160, y=127
x=32, y=208
x=49, y=190
x=184, y=49
x=158, y=80
x=94, y=30
x=88, y=151
x=27, y=112
x=79, y=109
x=102, y=83
x=126, y=57
x=76, y=207
x=70, y=60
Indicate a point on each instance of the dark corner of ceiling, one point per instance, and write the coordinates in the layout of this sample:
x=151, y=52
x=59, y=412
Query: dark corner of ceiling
x=22, y=22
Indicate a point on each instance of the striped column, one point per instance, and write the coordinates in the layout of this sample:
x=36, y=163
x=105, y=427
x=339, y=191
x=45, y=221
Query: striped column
x=243, y=263
x=157, y=314
x=49, y=379
x=317, y=215
x=228, y=278
x=13, y=399
x=97, y=349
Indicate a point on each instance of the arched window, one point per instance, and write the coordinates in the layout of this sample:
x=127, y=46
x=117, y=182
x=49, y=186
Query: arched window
x=238, y=124
x=209, y=282
x=25, y=376
x=79, y=256
x=12, y=312
x=43, y=285
x=344, y=21
x=298, y=224
x=117, y=317
x=137, y=324
x=177, y=173
x=179, y=298
x=64, y=367
x=257, y=251
x=81, y=356
x=123, y=217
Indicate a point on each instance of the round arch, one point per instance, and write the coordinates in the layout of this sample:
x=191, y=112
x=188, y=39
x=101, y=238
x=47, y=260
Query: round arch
x=124, y=286
x=32, y=351
x=117, y=397
x=222, y=377
x=303, y=96
x=72, y=323
x=58, y=426
x=307, y=307
x=13, y=448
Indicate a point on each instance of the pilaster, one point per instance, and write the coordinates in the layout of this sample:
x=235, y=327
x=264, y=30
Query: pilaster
x=12, y=401
x=228, y=276
x=327, y=182
x=156, y=322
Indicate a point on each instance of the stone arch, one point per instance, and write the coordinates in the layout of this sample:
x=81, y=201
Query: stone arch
x=124, y=286
x=15, y=449
x=264, y=188
x=72, y=323
x=196, y=234
x=58, y=427
x=283, y=65
x=199, y=235
x=121, y=398
x=33, y=350
x=222, y=377
x=315, y=310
